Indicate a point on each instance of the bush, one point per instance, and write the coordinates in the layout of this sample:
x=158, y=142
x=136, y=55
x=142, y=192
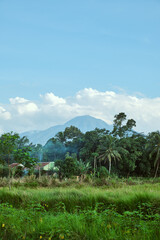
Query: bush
x=19, y=171
x=4, y=171
x=103, y=172
x=30, y=181
x=3, y=182
x=46, y=181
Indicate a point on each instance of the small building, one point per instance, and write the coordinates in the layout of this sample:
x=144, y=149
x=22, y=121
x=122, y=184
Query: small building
x=15, y=165
x=18, y=169
x=45, y=166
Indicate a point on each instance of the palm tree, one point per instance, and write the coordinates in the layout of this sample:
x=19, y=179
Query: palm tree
x=153, y=147
x=83, y=168
x=108, y=151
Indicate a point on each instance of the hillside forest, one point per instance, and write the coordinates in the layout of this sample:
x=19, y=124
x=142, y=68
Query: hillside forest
x=121, y=152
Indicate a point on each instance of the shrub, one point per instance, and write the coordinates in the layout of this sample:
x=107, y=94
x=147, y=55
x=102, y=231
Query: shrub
x=19, y=171
x=30, y=181
x=46, y=181
x=3, y=182
x=4, y=171
x=103, y=172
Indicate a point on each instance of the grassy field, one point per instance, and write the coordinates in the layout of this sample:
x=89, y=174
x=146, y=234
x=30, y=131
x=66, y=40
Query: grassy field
x=80, y=212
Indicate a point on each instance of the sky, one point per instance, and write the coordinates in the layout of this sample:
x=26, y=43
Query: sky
x=61, y=59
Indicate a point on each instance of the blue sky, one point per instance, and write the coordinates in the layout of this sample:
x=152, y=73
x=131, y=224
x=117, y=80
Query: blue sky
x=65, y=46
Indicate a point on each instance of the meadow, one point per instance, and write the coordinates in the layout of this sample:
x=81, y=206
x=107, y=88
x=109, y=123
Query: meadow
x=126, y=209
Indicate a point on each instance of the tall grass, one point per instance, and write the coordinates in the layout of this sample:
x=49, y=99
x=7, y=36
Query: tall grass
x=81, y=212
x=50, y=182
x=126, y=198
x=35, y=223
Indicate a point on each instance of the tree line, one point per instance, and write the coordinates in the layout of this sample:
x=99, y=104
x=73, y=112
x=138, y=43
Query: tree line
x=122, y=151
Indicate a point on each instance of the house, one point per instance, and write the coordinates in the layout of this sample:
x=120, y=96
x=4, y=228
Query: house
x=45, y=166
x=15, y=165
x=18, y=166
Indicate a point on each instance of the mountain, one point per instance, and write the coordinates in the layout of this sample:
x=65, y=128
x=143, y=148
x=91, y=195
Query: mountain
x=84, y=123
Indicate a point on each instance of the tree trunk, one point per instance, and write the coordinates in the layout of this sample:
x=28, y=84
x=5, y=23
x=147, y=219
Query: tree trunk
x=95, y=166
x=157, y=169
x=9, y=176
x=39, y=172
x=109, y=167
x=9, y=179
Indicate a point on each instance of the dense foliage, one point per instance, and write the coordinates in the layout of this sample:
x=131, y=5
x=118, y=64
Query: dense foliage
x=122, y=151
x=92, y=205
x=15, y=149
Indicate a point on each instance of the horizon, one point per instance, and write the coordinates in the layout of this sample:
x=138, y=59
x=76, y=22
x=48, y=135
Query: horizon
x=23, y=115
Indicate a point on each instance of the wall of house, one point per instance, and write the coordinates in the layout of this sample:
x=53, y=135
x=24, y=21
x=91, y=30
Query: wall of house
x=49, y=166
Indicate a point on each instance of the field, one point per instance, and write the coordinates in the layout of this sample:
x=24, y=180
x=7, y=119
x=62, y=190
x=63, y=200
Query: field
x=81, y=211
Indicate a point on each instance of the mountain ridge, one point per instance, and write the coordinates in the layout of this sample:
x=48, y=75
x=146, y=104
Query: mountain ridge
x=84, y=123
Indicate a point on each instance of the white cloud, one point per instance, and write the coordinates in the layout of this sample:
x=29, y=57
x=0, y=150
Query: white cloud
x=4, y=114
x=52, y=110
x=23, y=106
x=53, y=100
x=28, y=108
x=18, y=100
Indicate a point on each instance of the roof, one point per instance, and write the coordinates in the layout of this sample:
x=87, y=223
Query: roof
x=41, y=165
x=37, y=166
x=16, y=165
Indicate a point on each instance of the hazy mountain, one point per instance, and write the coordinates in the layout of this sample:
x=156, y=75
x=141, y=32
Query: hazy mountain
x=84, y=123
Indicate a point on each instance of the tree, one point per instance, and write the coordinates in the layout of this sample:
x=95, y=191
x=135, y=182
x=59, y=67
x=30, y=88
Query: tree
x=37, y=152
x=130, y=124
x=67, y=167
x=71, y=133
x=95, y=155
x=108, y=151
x=120, y=129
x=60, y=137
x=91, y=140
x=23, y=156
x=68, y=141
x=153, y=147
x=102, y=172
x=82, y=168
x=138, y=155
x=54, y=150
x=73, y=140
x=131, y=151
x=15, y=149
x=8, y=142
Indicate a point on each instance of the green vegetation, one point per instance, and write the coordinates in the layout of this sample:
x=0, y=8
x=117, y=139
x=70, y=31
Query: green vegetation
x=123, y=152
x=81, y=212
x=99, y=188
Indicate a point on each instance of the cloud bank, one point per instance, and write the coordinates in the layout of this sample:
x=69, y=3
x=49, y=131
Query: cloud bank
x=22, y=115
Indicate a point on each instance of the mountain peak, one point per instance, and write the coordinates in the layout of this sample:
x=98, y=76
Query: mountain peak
x=84, y=123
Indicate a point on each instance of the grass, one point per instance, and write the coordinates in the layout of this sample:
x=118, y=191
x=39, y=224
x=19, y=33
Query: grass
x=81, y=212
x=127, y=197
x=85, y=225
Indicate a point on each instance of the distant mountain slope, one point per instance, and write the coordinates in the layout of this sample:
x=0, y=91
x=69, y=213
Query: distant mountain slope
x=84, y=123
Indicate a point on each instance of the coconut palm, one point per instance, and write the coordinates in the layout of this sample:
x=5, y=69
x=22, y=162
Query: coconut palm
x=108, y=151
